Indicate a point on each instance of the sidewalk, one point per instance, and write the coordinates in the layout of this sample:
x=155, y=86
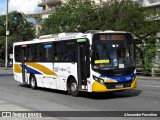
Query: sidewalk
x=3, y=68
x=147, y=78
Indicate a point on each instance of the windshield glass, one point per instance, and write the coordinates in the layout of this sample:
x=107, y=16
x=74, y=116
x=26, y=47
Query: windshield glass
x=112, y=55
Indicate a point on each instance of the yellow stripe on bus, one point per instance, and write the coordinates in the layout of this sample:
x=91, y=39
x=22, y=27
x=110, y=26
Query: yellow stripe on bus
x=97, y=87
x=17, y=68
x=41, y=68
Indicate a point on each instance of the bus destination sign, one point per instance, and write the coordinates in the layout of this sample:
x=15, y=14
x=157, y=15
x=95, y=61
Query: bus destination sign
x=112, y=37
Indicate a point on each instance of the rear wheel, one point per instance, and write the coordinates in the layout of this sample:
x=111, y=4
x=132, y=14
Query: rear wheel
x=33, y=82
x=73, y=88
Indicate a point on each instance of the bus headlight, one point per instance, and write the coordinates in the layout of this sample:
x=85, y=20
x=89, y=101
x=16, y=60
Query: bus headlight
x=98, y=80
x=101, y=81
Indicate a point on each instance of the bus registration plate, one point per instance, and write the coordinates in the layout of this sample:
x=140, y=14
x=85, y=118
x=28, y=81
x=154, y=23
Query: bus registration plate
x=119, y=86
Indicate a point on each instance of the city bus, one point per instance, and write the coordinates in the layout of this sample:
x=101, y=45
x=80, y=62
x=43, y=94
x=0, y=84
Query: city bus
x=96, y=61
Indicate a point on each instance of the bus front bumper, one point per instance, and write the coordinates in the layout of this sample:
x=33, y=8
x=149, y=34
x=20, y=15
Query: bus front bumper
x=98, y=87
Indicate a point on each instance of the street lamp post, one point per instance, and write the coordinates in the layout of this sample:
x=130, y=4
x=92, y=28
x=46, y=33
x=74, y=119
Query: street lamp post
x=7, y=33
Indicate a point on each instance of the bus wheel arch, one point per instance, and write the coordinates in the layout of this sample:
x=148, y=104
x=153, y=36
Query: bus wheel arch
x=72, y=86
x=33, y=81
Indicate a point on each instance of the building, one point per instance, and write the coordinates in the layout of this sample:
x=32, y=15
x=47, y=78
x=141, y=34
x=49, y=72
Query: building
x=154, y=7
x=49, y=6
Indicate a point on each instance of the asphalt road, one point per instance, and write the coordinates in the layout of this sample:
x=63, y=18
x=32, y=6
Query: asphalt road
x=16, y=97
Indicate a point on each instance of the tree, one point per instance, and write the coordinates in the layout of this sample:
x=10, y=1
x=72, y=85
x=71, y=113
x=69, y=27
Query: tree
x=74, y=16
x=20, y=30
x=131, y=16
x=125, y=15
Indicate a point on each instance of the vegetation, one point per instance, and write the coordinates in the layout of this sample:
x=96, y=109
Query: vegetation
x=20, y=30
x=84, y=15
x=126, y=15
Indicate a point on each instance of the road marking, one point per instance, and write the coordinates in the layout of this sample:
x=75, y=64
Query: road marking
x=150, y=86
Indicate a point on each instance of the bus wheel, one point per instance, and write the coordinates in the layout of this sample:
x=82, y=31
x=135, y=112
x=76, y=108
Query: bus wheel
x=33, y=82
x=73, y=88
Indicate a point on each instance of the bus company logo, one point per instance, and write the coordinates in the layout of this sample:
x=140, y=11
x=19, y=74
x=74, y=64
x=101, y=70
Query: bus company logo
x=128, y=78
x=21, y=114
x=115, y=79
x=62, y=69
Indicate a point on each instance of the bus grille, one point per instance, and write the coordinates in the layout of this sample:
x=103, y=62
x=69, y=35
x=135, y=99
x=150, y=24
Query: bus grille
x=113, y=85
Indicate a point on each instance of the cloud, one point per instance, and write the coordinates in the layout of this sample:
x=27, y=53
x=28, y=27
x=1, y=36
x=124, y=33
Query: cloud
x=25, y=6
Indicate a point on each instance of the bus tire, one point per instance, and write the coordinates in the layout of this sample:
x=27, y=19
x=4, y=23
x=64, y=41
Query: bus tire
x=33, y=82
x=73, y=88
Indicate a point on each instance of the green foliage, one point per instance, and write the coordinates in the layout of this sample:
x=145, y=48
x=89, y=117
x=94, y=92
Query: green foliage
x=84, y=15
x=149, y=54
x=76, y=15
x=122, y=15
x=2, y=47
x=125, y=15
x=19, y=30
x=1, y=62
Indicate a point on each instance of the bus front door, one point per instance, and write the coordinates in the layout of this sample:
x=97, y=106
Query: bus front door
x=23, y=53
x=83, y=63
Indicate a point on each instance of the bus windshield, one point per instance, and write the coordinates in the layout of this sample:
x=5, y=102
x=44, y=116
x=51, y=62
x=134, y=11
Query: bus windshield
x=112, y=55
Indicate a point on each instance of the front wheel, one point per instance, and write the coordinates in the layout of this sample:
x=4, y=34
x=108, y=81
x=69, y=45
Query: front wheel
x=73, y=88
x=33, y=82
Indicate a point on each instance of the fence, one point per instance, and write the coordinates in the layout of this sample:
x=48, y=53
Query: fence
x=154, y=72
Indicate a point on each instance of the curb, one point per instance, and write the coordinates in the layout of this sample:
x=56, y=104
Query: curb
x=3, y=68
x=148, y=78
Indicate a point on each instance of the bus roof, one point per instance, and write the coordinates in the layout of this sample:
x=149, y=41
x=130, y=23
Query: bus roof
x=66, y=36
x=53, y=37
x=106, y=31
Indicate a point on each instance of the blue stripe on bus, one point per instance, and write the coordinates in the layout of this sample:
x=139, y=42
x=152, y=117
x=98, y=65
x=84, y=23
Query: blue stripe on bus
x=120, y=79
x=31, y=70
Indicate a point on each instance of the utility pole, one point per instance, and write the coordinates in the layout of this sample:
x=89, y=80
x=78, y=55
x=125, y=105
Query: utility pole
x=7, y=33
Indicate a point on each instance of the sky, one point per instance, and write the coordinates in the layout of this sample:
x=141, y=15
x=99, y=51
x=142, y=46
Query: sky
x=25, y=6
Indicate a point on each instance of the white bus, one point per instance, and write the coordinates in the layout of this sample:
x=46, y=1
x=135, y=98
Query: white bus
x=101, y=61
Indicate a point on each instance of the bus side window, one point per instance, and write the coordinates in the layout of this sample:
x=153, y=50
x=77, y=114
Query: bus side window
x=58, y=51
x=70, y=51
x=17, y=53
x=70, y=56
x=38, y=52
x=30, y=55
x=30, y=52
x=58, y=56
x=48, y=52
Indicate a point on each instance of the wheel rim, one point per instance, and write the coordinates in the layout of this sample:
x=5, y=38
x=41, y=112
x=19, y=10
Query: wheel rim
x=32, y=82
x=73, y=87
